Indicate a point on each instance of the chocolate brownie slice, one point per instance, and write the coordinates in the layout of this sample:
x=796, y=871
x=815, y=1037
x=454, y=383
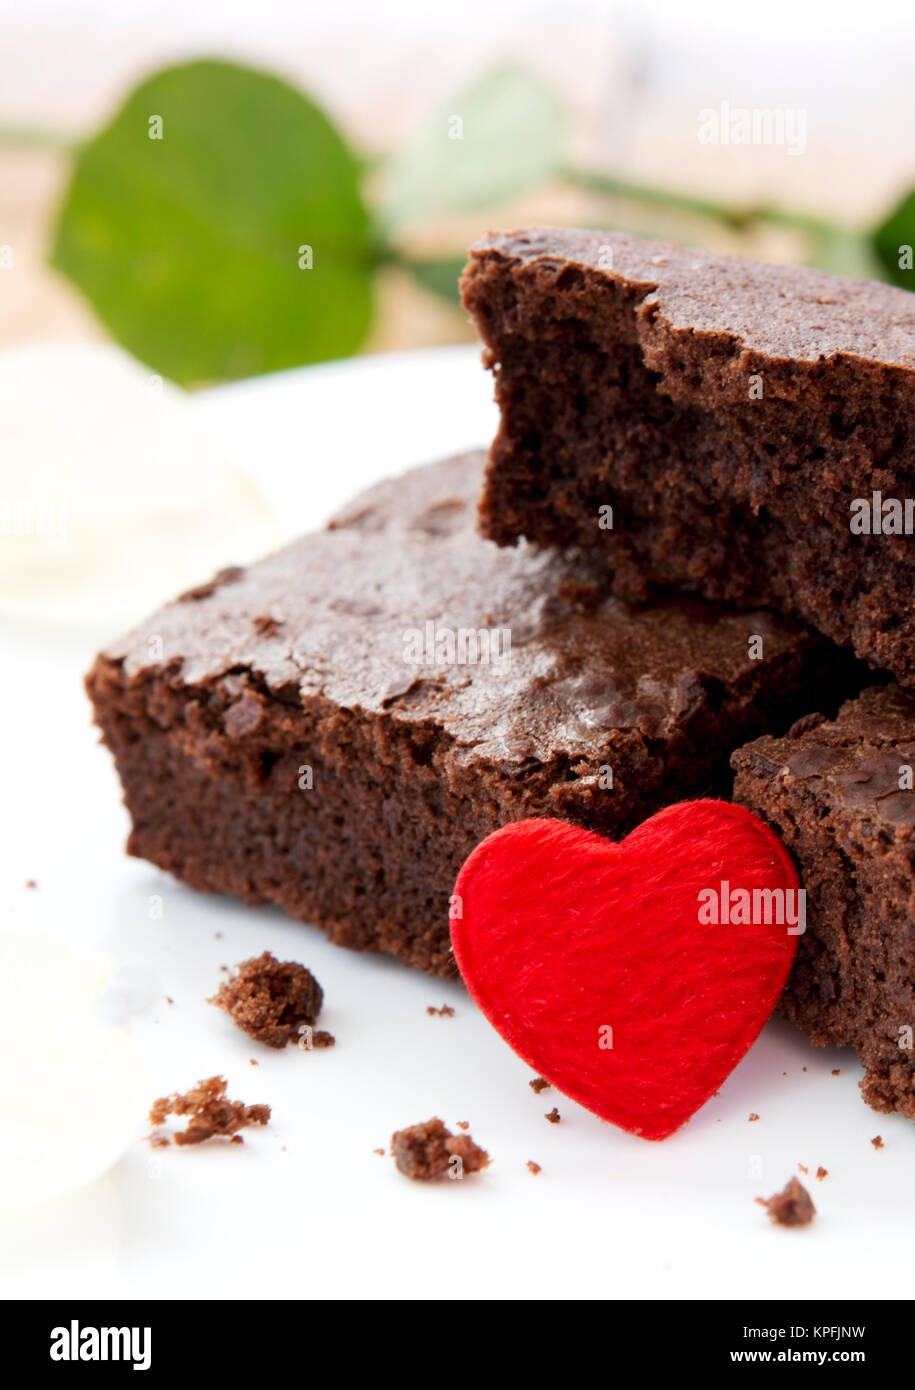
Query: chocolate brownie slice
x=335, y=728
x=840, y=796
x=708, y=424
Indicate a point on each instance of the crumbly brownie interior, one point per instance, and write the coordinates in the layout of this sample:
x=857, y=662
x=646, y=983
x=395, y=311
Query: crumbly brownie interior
x=425, y=1151
x=270, y=1000
x=210, y=1114
x=833, y=794
x=410, y=766
x=793, y=1206
x=630, y=387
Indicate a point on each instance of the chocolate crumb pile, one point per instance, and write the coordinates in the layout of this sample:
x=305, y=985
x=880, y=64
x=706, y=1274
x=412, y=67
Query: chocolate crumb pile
x=271, y=1000
x=211, y=1114
x=425, y=1151
x=790, y=1207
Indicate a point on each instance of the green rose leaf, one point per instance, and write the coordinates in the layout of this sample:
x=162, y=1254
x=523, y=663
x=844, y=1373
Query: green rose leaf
x=191, y=221
x=439, y=277
x=845, y=252
x=893, y=242
x=494, y=140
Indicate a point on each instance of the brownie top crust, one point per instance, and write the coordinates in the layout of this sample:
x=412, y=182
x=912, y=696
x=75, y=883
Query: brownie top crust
x=356, y=613
x=783, y=314
x=852, y=763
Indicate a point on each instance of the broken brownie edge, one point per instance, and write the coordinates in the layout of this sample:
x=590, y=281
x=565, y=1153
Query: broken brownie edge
x=839, y=794
x=732, y=416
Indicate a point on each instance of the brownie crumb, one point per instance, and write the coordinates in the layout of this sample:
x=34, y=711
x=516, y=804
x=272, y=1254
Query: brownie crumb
x=836, y=1071
x=158, y=1140
x=30, y=883
x=169, y=999
x=445, y=1011
x=379, y=1152
x=265, y=625
x=321, y=1039
x=790, y=1207
x=553, y=1116
x=822, y=1173
x=270, y=999
x=426, y=1151
x=539, y=1084
x=210, y=1114
x=753, y=1116
x=801, y=1168
x=254, y=1062
x=462, y=1124
x=533, y=1167
x=877, y=1141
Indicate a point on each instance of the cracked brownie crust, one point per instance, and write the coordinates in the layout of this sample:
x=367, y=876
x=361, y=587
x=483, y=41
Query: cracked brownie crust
x=624, y=371
x=274, y=741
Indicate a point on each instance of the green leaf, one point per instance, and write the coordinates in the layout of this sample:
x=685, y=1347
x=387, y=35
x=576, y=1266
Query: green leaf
x=440, y=277
x=189, y=246
x=490, y=143
x=844, y=252
x=893, y=242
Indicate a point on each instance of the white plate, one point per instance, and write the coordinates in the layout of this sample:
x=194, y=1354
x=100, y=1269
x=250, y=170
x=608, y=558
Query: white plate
x=304, y=1208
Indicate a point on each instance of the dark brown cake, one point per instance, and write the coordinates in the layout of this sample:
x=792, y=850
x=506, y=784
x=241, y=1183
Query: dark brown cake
x=834, y=792
x=322, y=764
x=426, y=1151
x=793, y=1206
x=210, y=1114
x=270, y=1000
x=728, y=413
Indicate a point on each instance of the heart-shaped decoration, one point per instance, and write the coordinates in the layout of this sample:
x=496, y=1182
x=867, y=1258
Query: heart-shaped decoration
x=632, y=976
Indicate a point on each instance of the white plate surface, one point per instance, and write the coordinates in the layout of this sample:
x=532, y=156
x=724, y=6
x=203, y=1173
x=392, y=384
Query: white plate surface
x=304, y=1208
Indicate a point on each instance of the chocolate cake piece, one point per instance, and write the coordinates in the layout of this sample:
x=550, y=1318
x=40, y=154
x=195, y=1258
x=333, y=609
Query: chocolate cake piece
x=417, y=688
x=210, y=1114
x=839, y=794
x=706, y=423
x=275, y=1002
x=793, y=1206
x=426, y=1151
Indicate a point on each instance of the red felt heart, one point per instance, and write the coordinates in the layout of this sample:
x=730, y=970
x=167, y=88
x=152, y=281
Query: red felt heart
x=564, y=935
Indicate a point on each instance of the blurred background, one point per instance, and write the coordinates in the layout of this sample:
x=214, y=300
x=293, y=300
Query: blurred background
x=195, y=194
x=620, y=86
